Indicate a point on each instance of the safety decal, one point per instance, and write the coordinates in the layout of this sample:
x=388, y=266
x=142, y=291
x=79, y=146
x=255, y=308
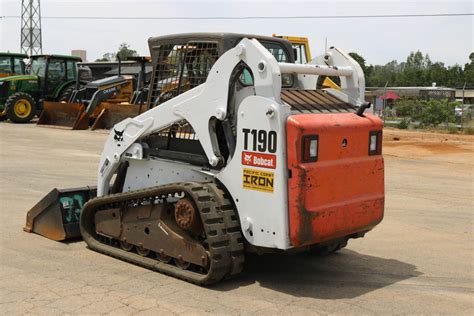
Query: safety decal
x=259, y=160
x=258, y=180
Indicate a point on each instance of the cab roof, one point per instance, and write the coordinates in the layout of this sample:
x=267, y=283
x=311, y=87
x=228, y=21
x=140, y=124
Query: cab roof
x=226, y=40
x=59, y=57
x=6, y=54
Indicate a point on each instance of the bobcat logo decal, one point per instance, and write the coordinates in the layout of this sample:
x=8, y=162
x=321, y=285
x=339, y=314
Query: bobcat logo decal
x=247, y=158
x=118, y=135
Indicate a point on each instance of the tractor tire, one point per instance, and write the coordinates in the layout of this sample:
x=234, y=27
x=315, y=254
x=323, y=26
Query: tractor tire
x=66, y=94
x=3, y=115
x=21, y=107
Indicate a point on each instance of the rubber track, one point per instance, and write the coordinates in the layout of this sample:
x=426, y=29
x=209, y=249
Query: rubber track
x=220, y=222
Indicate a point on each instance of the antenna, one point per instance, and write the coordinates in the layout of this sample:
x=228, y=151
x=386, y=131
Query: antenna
x=31, y=27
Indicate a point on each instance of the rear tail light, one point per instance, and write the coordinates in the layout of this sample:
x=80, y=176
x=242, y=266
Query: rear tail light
x=375, y=143
x=310, y=148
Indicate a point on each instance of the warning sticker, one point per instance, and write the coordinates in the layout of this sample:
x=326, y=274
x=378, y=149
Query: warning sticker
x=257, y=180
x=258, y=160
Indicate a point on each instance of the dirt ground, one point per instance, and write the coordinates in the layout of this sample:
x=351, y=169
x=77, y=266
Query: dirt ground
x=418, y=260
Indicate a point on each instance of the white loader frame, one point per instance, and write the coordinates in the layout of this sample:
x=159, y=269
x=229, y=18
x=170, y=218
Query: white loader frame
x=263, y=215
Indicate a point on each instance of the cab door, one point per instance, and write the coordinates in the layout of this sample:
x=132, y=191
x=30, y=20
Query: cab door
x=55, y=76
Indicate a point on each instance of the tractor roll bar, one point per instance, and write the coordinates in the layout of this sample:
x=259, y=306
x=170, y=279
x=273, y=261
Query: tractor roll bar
x=321, y=70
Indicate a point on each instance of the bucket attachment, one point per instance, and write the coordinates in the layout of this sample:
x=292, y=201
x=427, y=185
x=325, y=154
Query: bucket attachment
x=56, y=216
x=67, y=115
x=112, y=113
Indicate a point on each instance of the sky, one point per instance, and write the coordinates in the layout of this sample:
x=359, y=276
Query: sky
x=378, y=40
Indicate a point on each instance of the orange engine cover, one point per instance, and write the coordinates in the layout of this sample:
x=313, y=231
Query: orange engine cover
x=341, y=193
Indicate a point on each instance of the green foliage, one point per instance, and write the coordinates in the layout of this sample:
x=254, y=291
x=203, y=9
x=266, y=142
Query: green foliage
x=403, y=124
x=124, y=51
x=417, y=70
x=433, y=114
x=361, y=60
x=469, y=131
x=106, y=57
x=452, y=129
x=426, y=113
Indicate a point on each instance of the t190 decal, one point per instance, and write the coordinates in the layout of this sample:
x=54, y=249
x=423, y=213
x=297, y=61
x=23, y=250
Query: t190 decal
x=260, y=140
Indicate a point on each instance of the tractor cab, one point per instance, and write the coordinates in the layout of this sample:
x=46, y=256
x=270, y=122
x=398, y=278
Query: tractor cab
x=48, y=77
x=12, y=64
x=53, y=72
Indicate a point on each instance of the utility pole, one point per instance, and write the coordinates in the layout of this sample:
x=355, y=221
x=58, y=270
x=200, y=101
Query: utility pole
x=462, y=105
x=31, y=27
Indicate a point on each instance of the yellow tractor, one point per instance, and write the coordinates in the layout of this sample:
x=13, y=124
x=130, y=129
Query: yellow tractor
x=100, y=103
x=303, y=56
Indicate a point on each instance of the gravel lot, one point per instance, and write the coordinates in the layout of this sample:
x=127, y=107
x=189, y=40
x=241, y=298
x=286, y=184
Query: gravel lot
x=418, y=260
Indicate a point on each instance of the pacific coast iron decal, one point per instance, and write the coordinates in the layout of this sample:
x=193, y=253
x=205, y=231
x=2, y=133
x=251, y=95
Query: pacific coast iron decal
x=258, y=180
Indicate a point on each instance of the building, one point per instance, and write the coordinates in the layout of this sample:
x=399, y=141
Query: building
x=80, y=53
x=423, y=93
x=467, y=95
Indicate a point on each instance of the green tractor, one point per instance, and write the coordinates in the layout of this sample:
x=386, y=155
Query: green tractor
x=50, y=78
x=12, y=64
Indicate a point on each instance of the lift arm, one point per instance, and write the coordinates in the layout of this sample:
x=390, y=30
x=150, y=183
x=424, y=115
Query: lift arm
x=199, y=105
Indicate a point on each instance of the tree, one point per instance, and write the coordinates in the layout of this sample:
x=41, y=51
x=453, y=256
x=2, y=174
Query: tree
x=106, y=57
x=414, y=70
x=469, y=71
x=437, y=73
x=361, y=61
x=124, y=51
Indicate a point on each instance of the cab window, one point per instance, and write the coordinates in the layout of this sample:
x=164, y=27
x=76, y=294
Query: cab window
x=280, y=55
x=277, y=51
x=18, y=66
x=300, y=54
x=5, y=65
x=56, y=70
x=38, y=67
x=56, y=75
x=71, y=70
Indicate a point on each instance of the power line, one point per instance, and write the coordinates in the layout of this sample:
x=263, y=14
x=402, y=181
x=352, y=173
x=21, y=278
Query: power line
x=246, y=17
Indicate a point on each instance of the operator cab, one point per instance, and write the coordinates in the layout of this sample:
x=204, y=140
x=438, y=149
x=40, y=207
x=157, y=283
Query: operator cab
x=12, y=64
x=182, y=62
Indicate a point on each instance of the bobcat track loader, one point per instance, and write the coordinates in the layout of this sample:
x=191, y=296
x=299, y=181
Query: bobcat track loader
x=246, y=156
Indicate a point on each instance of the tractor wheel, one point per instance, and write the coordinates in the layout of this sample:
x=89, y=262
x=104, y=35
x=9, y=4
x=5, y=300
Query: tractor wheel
x=3, y=115
x=21, y=107
x=66, y=94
